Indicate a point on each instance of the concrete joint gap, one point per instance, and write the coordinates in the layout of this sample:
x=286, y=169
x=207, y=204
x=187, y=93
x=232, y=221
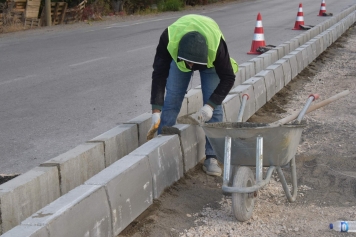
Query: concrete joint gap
x=105, y=162
x=110, y=208
x=59, y=174
x=173, y=131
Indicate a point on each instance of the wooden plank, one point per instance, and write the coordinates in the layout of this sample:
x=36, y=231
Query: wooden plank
x=55, y=13
x=32, y=8
x=63, y=13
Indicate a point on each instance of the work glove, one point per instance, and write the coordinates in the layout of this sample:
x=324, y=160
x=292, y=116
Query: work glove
x=156, y=120
x=205, y=113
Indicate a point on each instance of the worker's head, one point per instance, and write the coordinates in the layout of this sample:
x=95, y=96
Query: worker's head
x=193, y=48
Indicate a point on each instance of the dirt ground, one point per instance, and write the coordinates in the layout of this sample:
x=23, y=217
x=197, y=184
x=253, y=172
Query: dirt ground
x=325, y=160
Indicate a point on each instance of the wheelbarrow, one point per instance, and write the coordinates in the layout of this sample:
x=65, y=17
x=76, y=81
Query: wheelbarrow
x=259, y=145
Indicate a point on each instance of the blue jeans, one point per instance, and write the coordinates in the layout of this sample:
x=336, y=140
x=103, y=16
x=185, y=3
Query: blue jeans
x=177, y=84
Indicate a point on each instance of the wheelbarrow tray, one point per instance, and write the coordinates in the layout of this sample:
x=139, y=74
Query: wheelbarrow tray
x=279, y=143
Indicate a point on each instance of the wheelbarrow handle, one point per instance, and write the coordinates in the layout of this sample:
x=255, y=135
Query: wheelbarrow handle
x=311, y=108
x=311, y=98
x=245, y=97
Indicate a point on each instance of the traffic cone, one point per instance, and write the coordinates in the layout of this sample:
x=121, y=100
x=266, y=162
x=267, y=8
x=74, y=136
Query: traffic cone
x=322, y=8
x=258, y=37
x=300, y=18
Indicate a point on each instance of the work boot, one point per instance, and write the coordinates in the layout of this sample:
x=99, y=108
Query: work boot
x=211, y=167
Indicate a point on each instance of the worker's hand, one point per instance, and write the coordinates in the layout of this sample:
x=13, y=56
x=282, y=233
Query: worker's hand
x=205, y=113
x=156, y=119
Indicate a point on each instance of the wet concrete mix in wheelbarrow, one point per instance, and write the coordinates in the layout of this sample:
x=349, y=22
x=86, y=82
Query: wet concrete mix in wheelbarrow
x=326, y=167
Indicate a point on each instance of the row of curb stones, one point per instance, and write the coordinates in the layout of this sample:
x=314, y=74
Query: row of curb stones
x=100, y=187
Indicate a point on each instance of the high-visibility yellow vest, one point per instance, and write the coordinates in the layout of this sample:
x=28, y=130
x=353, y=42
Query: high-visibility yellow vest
x=205, y=26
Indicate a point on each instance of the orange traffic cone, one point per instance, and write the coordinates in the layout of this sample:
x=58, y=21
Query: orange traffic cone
x=300, y=18
x=322, y=8
x=258, y=37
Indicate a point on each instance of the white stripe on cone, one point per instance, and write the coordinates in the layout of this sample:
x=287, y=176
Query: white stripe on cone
x=259, y=24
x=300, y=18
x=258, y=37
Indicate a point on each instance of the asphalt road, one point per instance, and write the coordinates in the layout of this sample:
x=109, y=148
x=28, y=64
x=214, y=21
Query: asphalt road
x=60, y=87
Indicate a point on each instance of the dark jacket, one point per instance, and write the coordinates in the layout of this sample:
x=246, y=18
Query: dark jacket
x=161, y=66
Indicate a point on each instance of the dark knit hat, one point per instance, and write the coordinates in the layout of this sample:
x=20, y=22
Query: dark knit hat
x=193, y=48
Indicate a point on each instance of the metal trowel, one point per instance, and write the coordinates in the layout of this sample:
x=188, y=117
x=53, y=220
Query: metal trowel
x=191, y=118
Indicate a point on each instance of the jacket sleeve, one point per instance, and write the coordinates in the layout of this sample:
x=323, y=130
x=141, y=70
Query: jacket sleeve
x=226, y=74
x=161, y=66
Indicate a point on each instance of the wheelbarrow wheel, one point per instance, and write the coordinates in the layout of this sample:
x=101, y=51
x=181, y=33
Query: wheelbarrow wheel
x=243, y=203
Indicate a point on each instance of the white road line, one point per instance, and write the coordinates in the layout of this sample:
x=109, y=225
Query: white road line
x=138, y=23
x=16, y=79
x=133, y=50
x=89, y=61
x=160, y=19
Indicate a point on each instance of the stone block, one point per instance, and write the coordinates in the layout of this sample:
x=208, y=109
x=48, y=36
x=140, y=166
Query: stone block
x=240, y=76
x=294, y=43
x=250, y=107
x=300, y=39
x=278, y=75
x=273, y=54
x=270, y=82
x=128, y=184
x=325, y=39
x=189, y=143
x=285, y=48
x=231, y=106
x=293, y=63
x=280, y=51
x=27, y=231
x=118, y=142
x=298, y=57
x=304, y=52
x=319, y=45
x=165, y=159
x=334, y=31
x=84, y=211
x=258, y=64
x=249, y=69
x=259, y=89
x=331, y=34
x=287, y=71
x=194, y=100
x=143, y=123
x=27, y=193
x=306, y=36
x=266, y=59
x=184, y=109
x=78, y=165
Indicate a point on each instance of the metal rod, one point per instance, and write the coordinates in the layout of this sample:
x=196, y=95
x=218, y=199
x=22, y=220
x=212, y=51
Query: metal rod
x=242, y=108
x=305, y=108
x=259, y=158
x=290, y=196
x=227, y=158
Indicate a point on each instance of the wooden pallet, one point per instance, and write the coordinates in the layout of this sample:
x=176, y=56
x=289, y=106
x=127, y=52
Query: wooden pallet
x=1, y=21
x=58, y=11
x=31, y=23
x=17, y=5
x=32, y=8
x=75, y=14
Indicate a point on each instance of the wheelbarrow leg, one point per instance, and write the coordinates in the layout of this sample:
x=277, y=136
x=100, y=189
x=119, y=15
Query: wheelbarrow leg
x=227, y=160
x=290, y=196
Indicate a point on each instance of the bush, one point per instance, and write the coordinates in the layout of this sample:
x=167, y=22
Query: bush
x=172, y=5
x=96, y=9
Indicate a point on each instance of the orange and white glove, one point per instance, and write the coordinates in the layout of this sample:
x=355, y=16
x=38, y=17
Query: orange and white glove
x=205, y=113
x=156, y=120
